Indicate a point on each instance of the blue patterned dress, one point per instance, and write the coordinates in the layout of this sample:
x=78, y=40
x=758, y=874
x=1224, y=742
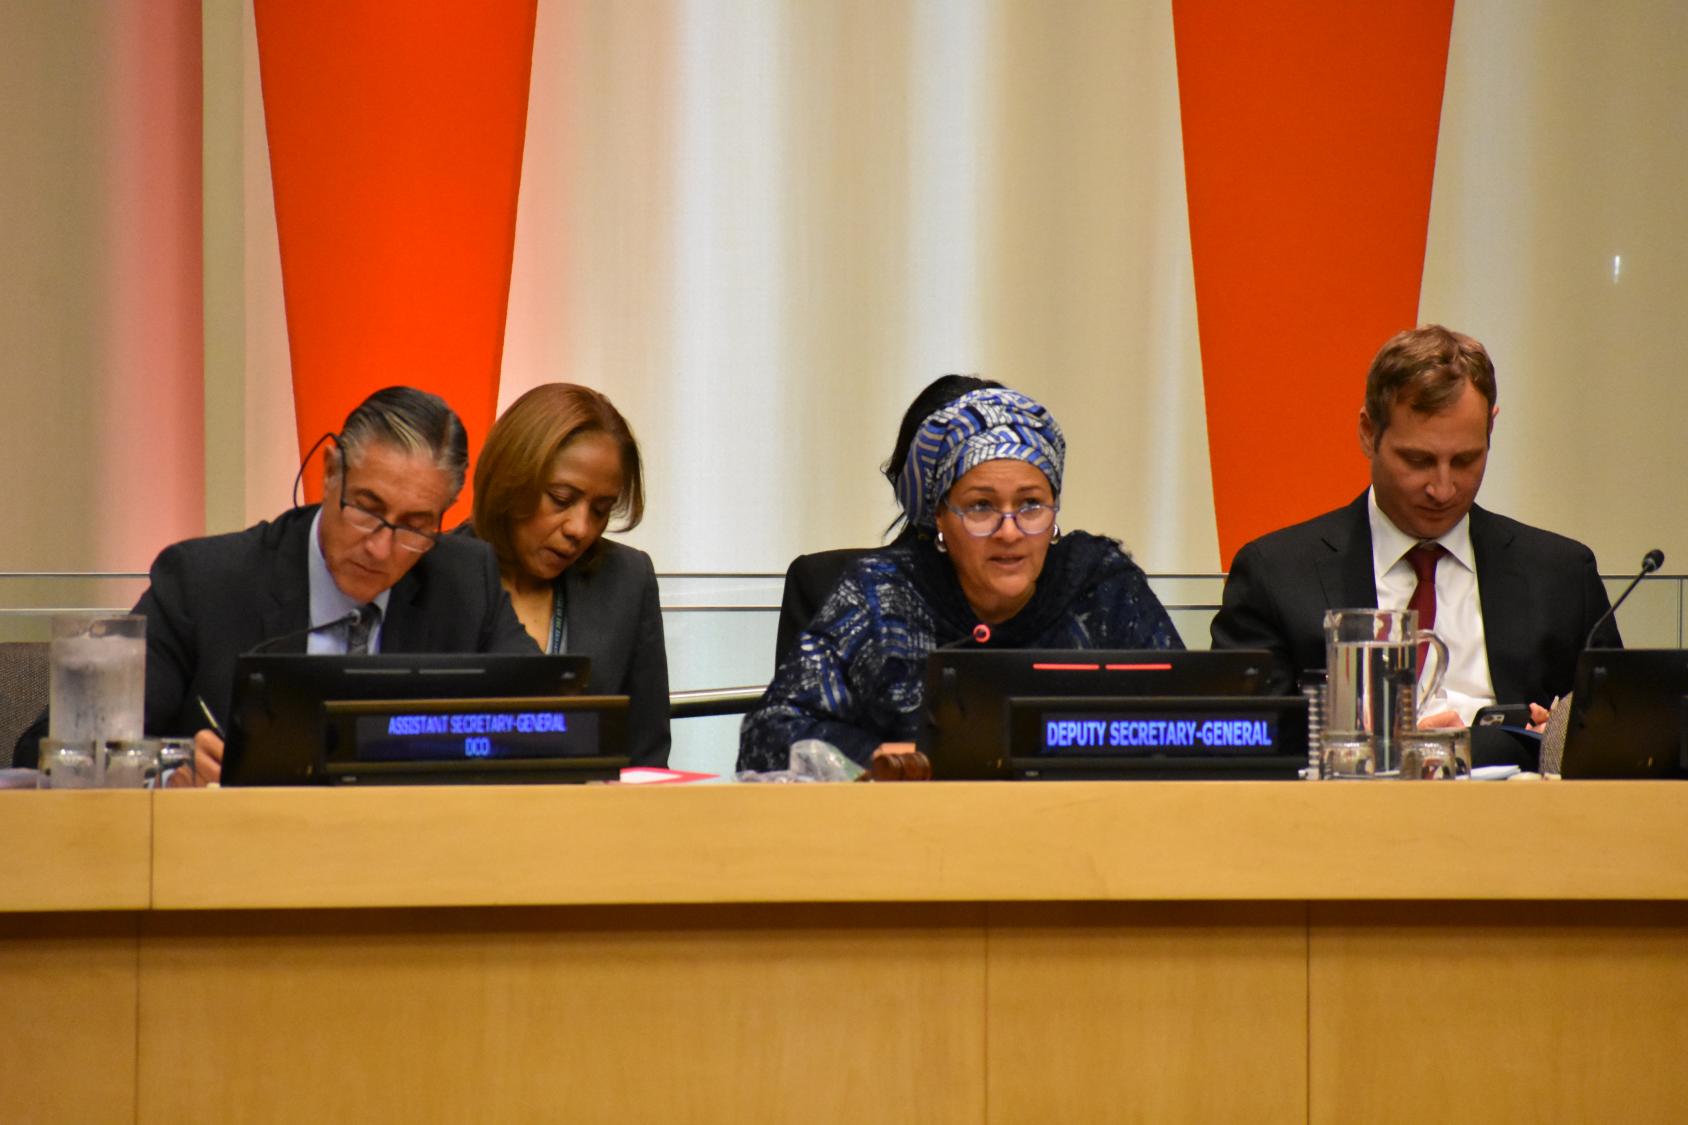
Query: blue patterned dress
x=858, y=672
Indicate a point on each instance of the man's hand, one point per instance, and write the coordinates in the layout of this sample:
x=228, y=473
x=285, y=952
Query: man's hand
x=1442, y=720
x=1538, y=717
x=207, y=758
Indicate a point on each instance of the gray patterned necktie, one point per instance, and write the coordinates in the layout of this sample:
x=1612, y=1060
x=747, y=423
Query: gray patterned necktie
x=357, y=633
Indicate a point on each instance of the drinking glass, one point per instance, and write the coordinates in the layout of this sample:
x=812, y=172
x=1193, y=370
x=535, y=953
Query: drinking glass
x=97, y=677
x=1436, y=755
x=68, y=764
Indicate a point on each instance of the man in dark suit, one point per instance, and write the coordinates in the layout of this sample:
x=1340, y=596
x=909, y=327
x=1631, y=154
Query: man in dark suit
x=372, y=545
x=1513, y=602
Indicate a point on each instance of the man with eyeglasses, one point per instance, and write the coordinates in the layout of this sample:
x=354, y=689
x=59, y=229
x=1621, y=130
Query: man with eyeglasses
x=370, y=557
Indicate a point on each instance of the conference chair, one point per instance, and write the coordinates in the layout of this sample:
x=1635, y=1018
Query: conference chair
x=23, y=691
x=808, y=581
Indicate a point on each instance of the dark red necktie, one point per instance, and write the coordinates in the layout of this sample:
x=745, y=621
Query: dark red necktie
x=1423, y=559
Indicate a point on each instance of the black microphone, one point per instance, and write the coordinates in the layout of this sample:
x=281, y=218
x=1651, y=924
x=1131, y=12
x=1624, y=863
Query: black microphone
x=1654, y=560
x=981, y=635
x=364, y=613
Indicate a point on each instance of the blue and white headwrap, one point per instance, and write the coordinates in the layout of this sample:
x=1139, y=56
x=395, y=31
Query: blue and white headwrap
x=995, y=424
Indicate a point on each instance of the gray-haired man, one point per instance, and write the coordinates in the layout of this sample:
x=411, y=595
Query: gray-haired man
x=389, y=476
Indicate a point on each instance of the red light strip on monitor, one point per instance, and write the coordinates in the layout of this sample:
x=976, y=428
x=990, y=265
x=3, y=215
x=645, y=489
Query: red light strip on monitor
x=1098, y=667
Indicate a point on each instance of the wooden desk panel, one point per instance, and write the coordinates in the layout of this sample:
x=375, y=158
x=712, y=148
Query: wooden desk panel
x=966, y=842
x=75, y=850
x=1167, y=951
x=1185, y=1012
x=706, y=1014
x=1542, y=1012
x=67, y=1017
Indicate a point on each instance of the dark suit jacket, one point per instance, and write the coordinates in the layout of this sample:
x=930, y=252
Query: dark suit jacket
x=615, y=617
x=214, y=598
x=1540, y=592
x=808, y=581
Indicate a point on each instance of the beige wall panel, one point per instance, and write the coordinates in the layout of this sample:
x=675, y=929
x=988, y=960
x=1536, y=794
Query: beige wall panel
x=1151, y=1013
x=51, y=241
x=100, y=376
x=592, y=275
x=1556, y=232
x=748, y=1014
x=762, y=227
x=1090, y=291
x=1526, y=1012
x=848, y=125
x=251, y=449
x=67, y=1017
x=223, y=31
x=272, y=443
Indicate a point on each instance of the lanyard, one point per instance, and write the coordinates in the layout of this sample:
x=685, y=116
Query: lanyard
x=559, y=619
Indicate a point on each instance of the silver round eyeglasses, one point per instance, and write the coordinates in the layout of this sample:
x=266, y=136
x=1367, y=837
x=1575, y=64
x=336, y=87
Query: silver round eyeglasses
x=982, y=520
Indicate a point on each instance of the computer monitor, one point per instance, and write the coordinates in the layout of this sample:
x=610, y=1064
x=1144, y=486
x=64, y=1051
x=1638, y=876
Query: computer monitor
x=321, y=720
x=1629, y=711
x=987, y=713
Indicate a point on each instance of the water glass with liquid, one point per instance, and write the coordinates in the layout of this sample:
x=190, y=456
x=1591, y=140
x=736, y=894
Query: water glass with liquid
x=97, y=672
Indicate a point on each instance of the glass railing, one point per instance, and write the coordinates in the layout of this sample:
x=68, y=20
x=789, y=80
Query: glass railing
x=720, y=629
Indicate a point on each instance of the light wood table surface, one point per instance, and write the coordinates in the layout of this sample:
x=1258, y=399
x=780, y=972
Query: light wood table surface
x=961, y=952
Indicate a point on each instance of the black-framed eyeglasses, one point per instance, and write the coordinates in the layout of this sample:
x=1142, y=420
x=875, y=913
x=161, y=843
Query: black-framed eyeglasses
x=404, y=538
x=982, y=520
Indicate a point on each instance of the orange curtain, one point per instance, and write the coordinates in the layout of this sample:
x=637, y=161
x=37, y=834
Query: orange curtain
x=395, y=131
x=1309, y=149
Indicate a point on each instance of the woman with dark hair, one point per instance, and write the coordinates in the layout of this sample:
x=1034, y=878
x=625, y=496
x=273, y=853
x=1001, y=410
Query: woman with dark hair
x=557, y=465
x=979, y=488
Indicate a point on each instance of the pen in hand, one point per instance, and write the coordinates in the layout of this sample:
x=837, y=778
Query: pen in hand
x=205, y=709
x=208, y=749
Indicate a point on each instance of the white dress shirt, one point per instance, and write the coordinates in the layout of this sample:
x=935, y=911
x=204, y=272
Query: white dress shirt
x=328, y=603
x=1459, y=607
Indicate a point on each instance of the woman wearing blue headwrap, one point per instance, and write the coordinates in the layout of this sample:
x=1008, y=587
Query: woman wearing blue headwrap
x=981, y=488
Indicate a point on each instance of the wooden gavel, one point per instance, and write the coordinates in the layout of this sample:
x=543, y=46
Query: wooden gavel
x=913, y=766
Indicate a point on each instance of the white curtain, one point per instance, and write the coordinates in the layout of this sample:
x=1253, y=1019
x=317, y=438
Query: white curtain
x=760, y=227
